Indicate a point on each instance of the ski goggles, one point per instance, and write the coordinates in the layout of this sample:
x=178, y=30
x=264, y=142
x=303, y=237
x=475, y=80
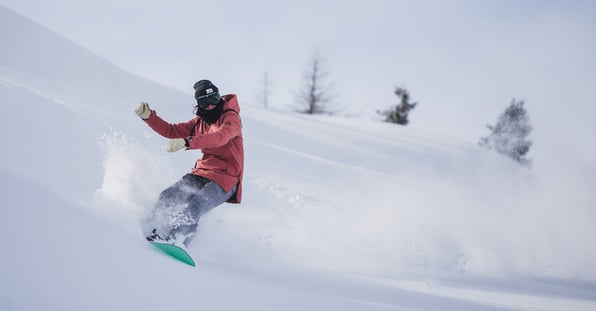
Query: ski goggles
x=205, y=101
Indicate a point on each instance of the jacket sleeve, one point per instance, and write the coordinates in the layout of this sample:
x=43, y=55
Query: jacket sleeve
x=230, y=127
x=169, y=130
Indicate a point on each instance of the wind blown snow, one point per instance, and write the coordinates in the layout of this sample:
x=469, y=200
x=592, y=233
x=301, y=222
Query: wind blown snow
x=324, y=193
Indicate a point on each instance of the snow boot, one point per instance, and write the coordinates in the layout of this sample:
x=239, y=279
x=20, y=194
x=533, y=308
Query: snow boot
x=154, y=236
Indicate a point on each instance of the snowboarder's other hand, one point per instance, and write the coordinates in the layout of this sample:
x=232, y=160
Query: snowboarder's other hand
x=176, y=144
x=143, y=110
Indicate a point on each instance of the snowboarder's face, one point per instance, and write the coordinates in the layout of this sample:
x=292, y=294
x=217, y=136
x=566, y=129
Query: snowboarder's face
x=205, y=101
x=197, y=108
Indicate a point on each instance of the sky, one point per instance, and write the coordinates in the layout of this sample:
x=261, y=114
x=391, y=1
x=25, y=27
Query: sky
x=462, y=61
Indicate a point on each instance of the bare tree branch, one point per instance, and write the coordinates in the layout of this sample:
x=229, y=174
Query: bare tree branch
x=316, y=92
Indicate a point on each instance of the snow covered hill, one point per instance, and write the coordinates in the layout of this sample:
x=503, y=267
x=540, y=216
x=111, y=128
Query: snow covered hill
x=341, y=214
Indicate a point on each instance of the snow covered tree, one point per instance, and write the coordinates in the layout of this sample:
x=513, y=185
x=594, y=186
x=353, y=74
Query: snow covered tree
x=316, y=93
x=510, y=135
x=399, y=114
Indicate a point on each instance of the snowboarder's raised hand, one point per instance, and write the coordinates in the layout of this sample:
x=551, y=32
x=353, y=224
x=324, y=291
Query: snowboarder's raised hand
x=143, y=110
x=176, y=144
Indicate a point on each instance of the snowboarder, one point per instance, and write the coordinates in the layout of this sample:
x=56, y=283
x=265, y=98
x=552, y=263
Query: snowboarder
x=216, y=177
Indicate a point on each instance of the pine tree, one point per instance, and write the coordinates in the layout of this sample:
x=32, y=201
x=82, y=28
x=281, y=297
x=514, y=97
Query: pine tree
x=510, y=135
x=399, y=114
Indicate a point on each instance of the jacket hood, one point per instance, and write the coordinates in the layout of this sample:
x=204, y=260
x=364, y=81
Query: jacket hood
x=231, y=103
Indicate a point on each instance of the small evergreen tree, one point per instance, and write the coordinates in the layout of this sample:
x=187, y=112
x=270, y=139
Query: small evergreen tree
x=510, y=135
x=399, y=114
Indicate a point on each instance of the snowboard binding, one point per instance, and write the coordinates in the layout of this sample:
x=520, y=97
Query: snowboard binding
x=173, y=237
x=154, y=237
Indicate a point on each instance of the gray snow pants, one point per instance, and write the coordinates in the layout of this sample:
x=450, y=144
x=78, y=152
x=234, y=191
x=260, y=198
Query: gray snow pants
x=179, y=207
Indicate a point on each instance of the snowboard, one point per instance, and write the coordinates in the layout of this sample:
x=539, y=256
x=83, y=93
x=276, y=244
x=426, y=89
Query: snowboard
x=174, y=251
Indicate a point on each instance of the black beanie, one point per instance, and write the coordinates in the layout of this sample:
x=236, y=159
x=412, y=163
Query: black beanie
x=206, y=93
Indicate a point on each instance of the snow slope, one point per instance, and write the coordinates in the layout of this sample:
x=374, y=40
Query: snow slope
x=343, y=214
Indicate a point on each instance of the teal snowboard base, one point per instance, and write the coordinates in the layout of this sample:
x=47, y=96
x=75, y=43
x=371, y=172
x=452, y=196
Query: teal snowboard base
x=174, y=251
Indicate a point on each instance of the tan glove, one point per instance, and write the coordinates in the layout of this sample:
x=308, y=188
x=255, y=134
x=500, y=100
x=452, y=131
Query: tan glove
x=143, y=110
x=176, y=144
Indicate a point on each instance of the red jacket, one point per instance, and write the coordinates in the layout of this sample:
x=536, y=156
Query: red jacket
x=220, y=142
